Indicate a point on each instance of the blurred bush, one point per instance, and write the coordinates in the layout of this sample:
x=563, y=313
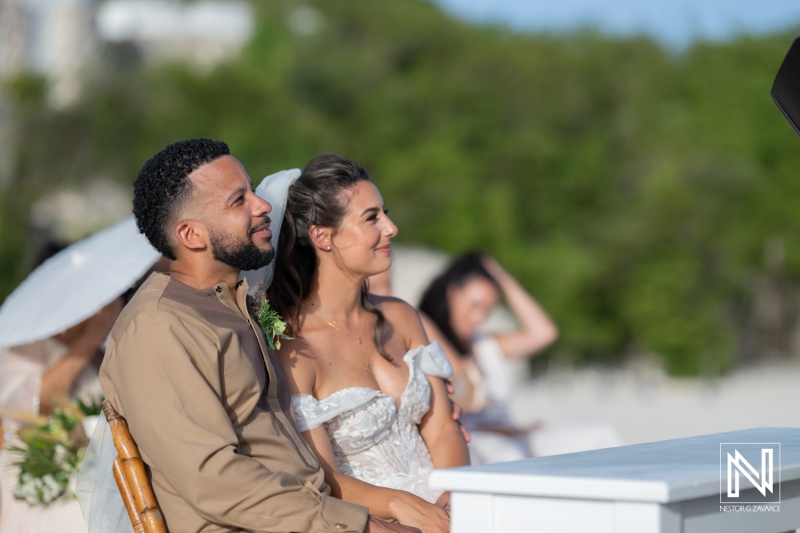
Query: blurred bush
x=633, y=189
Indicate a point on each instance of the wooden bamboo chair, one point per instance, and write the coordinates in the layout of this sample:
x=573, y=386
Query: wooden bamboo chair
x=131, y=477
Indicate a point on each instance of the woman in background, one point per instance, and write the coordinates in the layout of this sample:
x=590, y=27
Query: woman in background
x=454, y=308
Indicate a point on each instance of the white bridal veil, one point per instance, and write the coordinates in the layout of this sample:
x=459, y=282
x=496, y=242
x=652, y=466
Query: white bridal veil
x=100, y=501
x=275, y=190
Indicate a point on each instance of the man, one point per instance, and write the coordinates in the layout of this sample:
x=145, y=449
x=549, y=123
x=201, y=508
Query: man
x=188, y=367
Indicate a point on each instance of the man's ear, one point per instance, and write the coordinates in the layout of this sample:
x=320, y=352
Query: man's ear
x=191, y=234
x=321, y=237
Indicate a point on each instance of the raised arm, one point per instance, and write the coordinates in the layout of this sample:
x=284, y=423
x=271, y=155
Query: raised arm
x=537, y=330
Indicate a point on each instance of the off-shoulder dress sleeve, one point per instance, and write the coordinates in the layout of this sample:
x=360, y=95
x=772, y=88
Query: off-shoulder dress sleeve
x=310, y=413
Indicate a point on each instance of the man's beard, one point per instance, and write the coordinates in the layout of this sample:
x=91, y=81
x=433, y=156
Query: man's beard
x=239, y=253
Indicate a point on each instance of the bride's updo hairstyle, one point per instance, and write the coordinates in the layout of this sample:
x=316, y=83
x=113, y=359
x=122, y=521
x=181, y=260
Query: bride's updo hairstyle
x=319, y=197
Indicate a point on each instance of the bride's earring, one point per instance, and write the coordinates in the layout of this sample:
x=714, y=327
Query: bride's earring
x=329, y=248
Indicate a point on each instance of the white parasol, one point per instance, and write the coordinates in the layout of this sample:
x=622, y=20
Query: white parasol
x=75, y=284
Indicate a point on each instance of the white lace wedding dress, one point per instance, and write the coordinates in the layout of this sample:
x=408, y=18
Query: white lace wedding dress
x=373, y=439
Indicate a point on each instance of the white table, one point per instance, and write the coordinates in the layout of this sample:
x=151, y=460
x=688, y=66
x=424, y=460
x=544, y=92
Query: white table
x=668, y=486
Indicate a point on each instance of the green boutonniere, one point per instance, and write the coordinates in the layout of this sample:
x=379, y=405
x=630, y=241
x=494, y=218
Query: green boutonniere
x=272, y=324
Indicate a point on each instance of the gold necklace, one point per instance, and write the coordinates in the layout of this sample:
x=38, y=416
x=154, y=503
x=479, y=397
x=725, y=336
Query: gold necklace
x=332, y=323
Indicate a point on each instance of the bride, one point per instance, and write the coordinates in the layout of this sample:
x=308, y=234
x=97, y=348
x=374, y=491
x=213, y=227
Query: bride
x=362, y=372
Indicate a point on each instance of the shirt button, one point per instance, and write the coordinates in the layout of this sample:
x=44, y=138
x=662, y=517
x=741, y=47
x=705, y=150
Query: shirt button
x=218, y=289
x=340, y=526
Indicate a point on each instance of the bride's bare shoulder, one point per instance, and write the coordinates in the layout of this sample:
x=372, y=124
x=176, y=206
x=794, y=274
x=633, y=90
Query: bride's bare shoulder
x=401, y=315
x=392, y=306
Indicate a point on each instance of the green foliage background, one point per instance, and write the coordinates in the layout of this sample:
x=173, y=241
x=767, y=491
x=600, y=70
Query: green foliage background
x=631, y=188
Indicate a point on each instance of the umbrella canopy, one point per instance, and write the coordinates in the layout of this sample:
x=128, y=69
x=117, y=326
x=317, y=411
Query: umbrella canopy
x=75, y=284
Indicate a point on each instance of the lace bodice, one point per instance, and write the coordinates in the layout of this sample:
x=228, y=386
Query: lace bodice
x=374, y=440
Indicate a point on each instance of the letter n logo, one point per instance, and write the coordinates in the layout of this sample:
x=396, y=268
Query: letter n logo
x=749, y=466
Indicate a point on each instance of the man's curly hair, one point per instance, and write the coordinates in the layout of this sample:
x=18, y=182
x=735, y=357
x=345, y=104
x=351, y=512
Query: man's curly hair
x=163, y=186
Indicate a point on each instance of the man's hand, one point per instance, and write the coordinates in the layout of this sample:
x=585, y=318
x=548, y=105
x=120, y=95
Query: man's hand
x=412, y=510
x=376, y=525
x=457, y=411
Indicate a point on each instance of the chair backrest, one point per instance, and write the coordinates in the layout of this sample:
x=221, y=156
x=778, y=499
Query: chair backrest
x=131, y=477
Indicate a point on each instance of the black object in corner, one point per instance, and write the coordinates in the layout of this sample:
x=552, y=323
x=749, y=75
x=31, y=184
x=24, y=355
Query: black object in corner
x=786, y=89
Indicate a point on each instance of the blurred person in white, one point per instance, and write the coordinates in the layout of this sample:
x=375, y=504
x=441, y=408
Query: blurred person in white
x=453, y=308
x=33, y=377
x=365, y=380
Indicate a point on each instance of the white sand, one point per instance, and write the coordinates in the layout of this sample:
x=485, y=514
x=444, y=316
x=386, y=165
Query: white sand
x=644, y=405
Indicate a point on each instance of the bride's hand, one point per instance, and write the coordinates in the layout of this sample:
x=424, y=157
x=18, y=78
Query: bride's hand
x=444, y=501
x=413, y=511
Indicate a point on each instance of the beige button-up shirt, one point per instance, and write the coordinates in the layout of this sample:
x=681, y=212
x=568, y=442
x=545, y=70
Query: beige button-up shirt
x=209, y=407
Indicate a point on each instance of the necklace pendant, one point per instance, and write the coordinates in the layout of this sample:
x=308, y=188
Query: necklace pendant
x=359, y=341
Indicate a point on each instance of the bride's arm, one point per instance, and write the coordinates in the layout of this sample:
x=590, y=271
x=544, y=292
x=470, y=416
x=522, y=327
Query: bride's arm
x=442, y=434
